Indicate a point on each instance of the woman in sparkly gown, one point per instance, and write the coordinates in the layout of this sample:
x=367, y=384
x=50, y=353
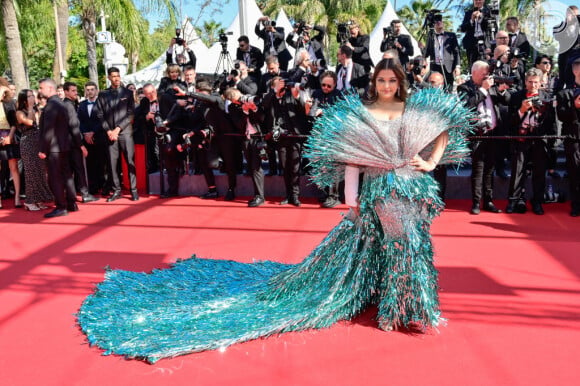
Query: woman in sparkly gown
x=380, y=253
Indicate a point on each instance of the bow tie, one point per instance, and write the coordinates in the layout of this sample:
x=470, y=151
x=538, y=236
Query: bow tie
x=441, y=34
x=512, y=35
x=90, y=103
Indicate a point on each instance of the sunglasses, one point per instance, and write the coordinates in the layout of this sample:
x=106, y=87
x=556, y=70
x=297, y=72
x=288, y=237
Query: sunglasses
x=546, y=63
x=326, y=85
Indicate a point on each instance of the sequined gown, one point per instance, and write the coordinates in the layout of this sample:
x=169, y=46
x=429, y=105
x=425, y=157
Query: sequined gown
x=382, y=257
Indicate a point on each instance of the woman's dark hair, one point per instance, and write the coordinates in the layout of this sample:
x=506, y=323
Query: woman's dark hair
x=22, y=101
x=387, y=64
x=540, y=58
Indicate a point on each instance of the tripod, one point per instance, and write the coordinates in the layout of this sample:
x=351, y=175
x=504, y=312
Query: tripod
x=225, y=63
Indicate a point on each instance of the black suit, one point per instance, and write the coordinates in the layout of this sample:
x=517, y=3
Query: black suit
x=570, y=117
x=471, y=42
x=77, y=160
x=97, y=151
x=116, y=108
x=360, y=51
x=483, y=151
x=274, y=44
x=535, y=150
x=56, y=142
x=450, y=59
x=405, y=52
x=253, y=59
x=359, y=78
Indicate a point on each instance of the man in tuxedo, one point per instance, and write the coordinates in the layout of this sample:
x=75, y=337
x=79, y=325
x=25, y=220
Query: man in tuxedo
x=531, y=113
x=56, y=143
x=350, y=74
x=400, y=42
x=116, y=110
x=518, y=41
x=475, y=26
x=479, y=93
x=95, y=140
x=312, y=44
x=359, y=44
x=251, y=56
x=77, y=160
x=274, y=42
x=443, y=52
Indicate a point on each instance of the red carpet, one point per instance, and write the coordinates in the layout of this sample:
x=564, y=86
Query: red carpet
x=510, y=290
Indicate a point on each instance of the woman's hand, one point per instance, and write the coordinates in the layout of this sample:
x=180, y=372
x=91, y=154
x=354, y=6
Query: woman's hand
x=421, y=165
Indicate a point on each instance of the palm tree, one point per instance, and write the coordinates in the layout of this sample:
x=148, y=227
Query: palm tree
x=61, y=38
x=209, y=32
x=14, y=44
x=413, y=16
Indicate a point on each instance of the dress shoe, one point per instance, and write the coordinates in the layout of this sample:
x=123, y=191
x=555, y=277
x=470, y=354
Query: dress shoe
x=490, y=207
x=114, y=196
x=575, y=212
x=89, y=198
x=330, y=203
x=475, y=208
x=256, y=201
x=209, y=194
x=134, y=196
x=72, y=207
x=511, y=206
x=294, y=201
x=230, y=195
x=56, y=213
x=168, y=195
x=521, y=207
x=537, y=208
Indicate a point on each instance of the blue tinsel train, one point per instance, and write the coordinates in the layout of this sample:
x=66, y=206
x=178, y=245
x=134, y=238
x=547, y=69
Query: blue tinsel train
x=382, y=257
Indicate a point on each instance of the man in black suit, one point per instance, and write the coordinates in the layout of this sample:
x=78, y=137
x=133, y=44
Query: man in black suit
x=56, y=143
x=180, y=54
x=312, y=44
x=475, y=26
x=285, y=113
x=479, y=93
x=359, y=44
x=241, y=79
x=350, y=74
x=95, y=140
x=250, y=55
x=77, y=159
x=443, y=51
x=518, y=41
x=531, y=113
x=400, y=42
x=569, y=113
x=274, y=41
x=116, y=110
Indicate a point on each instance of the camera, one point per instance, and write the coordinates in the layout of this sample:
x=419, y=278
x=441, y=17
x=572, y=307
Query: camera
x=269, y=23
x=516, y=53
x=320, y=63
x=178, y=40
x=301, y=27
x=343, y=31
x=433, y=15
x=255, y=99
x=236, y=70
x=418, y=65
x=539, y=105
x=262, y=147
x=223, y=39
x=160, y=126
x=389, y=37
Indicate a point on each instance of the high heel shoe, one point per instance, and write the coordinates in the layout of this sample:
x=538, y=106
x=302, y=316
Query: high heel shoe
x=31, y=207
x=41, y=205
x=18, y=206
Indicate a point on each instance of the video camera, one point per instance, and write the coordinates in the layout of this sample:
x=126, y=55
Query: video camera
x=178, y=40
x=269, y=23
x=223, y=39
x=432, y=16
x=343, y=31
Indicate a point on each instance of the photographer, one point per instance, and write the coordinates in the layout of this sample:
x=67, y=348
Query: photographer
x=166, y=117
x=475, y=26
x=285, y=114
x=321, y=98
x=394, y=39
x=416, y=71
x=251, y=56
x=505, y=67
x=305, y=73
x=479, y=94
x=210, y=123
x=569, y=113
x=359, y=44
x=531, y=113
x=246, y=117
x=443, y=52
x=171, y=79
x=240, y=79
x=301, y=37
x=178, y=52
x=274, y=43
